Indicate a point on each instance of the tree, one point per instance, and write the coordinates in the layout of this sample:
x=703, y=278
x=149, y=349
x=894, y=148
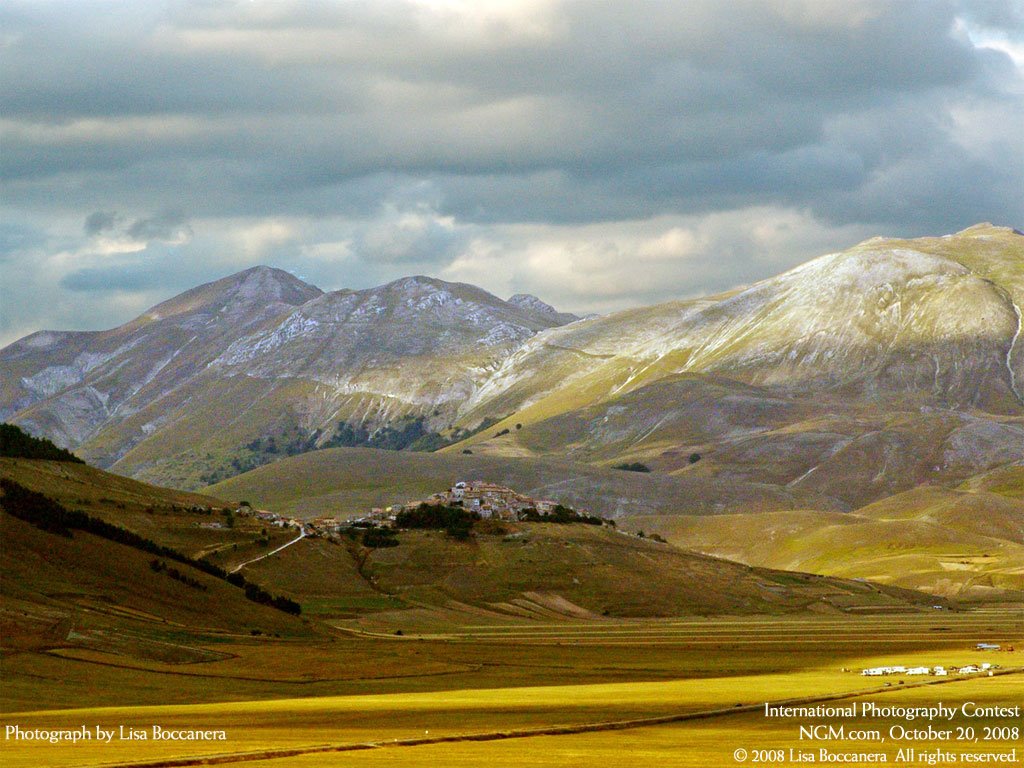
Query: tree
x=459, y=529
x=377, y=538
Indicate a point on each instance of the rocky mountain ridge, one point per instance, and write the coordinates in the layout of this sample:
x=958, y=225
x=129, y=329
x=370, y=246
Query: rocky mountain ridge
x=856, y=375
x=411, y=349
x=934, y=315
x=838, y=355
x=68, y=385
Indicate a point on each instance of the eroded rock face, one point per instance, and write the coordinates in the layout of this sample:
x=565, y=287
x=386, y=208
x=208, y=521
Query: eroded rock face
x=413, y=317
x=532, y=303
x=71, y=385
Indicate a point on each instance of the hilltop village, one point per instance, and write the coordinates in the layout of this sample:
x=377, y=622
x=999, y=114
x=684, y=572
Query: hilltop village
x=488, y=500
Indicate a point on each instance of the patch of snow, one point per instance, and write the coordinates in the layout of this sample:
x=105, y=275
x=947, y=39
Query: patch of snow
x=505, y=332
x=42, y=340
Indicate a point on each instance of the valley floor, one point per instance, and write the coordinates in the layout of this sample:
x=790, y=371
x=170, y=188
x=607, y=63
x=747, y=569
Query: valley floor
x=637, y=692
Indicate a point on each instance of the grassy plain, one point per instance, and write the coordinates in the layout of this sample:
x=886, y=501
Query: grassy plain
x=691, y=744
x=519, y=682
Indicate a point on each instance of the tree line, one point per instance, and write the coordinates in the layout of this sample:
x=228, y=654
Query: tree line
x=17, y=444
x=52, y=517
x=456, y=522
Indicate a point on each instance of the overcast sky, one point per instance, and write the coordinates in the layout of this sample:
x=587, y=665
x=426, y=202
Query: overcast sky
x=599, y=155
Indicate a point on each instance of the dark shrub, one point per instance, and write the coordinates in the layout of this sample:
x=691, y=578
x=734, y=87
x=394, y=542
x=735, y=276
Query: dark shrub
x=635, y=466
x=435, y=517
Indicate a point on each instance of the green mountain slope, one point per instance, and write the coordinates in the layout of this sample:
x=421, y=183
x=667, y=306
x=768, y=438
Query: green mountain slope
x=853, y=377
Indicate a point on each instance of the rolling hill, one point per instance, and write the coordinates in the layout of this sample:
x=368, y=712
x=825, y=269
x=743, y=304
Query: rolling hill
x=89, y=594
x=550, y=571
x=80, y=606
x=965, y=543
x=349, y=481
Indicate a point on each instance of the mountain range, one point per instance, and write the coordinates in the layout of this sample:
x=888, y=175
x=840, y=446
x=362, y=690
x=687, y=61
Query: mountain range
x=858, y=375
x=260, y=355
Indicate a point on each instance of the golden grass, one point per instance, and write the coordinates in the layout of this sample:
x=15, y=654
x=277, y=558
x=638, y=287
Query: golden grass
x=301, y=724
x=965, y=545
x=698, y=744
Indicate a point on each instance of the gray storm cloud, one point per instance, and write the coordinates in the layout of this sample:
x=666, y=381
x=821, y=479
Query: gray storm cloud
x=354, y=141
x=100, y=221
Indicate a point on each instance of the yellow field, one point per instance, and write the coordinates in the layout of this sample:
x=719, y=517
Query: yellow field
x=694, y=744
x=725, y=669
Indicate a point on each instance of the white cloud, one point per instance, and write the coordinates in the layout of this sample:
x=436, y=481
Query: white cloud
x=1006, y=41
x=258, y=239
x=416, y=235
x=614, y=265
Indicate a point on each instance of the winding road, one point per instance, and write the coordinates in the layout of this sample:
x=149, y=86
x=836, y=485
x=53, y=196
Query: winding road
x=240, y=566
